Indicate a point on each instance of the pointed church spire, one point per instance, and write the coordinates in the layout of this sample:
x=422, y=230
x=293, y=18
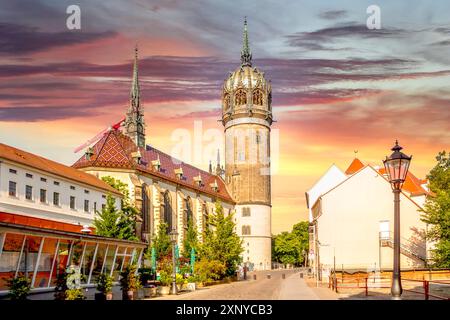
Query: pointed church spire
x=135, y=91
x=134, y=121
x=246, y=54
x=218, y=168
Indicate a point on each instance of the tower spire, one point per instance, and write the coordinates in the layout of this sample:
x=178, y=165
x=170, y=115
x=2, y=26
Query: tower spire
x=134, y=121
x=246, y=54
x=135, y=91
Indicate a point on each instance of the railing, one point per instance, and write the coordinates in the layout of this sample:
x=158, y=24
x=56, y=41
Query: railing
x=407, y=246
x=385, y=283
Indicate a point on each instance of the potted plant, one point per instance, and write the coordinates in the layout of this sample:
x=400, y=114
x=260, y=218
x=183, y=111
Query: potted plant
x=73, y=283
x=129, y=282
x=19, y=288
x=104, y=285
x=165, y=280
x=192, y=281
x=180, y=281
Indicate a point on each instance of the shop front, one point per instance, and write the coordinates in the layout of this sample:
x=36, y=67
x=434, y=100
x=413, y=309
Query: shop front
x=41, y=254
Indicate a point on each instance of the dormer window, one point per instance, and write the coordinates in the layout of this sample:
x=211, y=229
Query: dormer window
x=156, y=164
x=215, y=186
x=179, y=172
x=89, y=153
x=137, y=156
x=198, y=180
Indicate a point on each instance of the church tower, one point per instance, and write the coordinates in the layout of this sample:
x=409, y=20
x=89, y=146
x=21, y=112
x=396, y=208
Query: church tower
x=247, y=117
x=134, y=121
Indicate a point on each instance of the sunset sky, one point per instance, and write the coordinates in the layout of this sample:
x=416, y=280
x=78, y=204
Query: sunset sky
x=337, y=86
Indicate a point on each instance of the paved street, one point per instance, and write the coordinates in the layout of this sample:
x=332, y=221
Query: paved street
x=291, y=288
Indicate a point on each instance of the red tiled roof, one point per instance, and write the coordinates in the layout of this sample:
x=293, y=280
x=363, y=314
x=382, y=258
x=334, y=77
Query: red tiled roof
x=355, y=166
x=412, y=184
x=37, y=162
x=114, y=150
x=40, y=223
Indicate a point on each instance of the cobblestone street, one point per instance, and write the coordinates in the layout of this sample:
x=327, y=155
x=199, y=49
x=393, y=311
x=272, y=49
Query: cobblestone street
x=291, y=288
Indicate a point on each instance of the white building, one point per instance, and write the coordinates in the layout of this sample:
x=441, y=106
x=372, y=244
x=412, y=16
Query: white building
x=352, y=222
x=44, y=210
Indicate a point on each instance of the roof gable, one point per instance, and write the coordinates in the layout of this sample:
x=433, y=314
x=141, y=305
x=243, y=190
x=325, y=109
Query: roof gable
x=354, y=167
x=368, y=167
x=331, y=178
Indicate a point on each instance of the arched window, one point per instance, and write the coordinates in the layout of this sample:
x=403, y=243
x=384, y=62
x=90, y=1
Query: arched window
x=145, y=211
x=246, y=230
x=166, y=210
x=269, y=102
x=188, y=215
x=240, y=98
x=257, y=97
x=205, y=216
x=226, y=102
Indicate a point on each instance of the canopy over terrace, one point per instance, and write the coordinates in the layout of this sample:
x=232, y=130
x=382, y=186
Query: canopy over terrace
x=42, y=253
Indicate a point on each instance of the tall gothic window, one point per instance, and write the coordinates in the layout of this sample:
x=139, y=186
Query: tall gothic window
x=205, y=224
x=166, y=210
x=257, y=97
x=188, y=215
x=145, y=211
x=240, y=98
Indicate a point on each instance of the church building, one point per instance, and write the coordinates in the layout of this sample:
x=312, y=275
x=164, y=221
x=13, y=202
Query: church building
x=168, y=190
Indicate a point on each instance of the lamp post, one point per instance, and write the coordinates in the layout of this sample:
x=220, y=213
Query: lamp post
x=396, y=166
x=173, y=238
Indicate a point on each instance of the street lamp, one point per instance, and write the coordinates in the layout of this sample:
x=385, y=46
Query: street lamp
x=397, y=166
x=173, y=238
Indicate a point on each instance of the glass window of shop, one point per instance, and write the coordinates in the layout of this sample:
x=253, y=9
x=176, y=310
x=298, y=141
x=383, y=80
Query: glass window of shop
x=98, y=262
x=110, y=255
x=118, y=263
x=86, y=263
x=9, y=259
x=76, y=252
x=29, y=256
x=62, y=258
x=45, y=263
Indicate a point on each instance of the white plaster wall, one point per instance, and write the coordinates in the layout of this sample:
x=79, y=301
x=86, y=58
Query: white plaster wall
x=330, y=179
x=48, y=210
x=348, y=228
x=257, y=245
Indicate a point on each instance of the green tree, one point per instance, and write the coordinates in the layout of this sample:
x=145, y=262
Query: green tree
x=161, y=242
x=291, y=247
x=221, y=243
x=301, y=232
x=191, y=239
x=113, y=223
x=437, y=210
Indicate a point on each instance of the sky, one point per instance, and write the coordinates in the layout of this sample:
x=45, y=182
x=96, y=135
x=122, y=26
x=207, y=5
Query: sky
x=339, y=89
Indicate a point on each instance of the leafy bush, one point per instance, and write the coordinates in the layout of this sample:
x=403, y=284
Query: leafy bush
x=208, y=270
x=193, y=278
x=104, y=283
x=75, y=294
x=61, y=286
x=19, y=288
x=166, y=264
x=165, y=278
x=129, y=281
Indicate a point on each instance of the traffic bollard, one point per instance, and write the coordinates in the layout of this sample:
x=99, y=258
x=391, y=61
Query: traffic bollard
x=301, y=275
x=283, y=276
x=254, y=277
x=268, y=276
